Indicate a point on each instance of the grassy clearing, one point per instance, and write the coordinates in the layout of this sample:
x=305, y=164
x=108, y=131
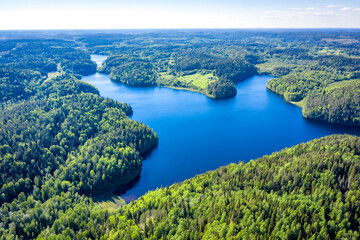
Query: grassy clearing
x=299, y=104
x=52, y=75
x=110, y=202
x=199, y=80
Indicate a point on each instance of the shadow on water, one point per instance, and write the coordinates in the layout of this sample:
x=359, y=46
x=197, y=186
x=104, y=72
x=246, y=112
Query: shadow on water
x=124, y=188
x=336, y=128
x=120, y=191
x=148, y=153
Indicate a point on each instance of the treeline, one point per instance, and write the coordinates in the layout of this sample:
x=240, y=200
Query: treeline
x=303, y=192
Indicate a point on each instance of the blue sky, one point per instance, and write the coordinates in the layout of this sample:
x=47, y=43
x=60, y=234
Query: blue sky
x=112, y=14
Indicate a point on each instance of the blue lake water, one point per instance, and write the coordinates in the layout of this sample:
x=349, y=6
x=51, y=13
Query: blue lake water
x=197, y=133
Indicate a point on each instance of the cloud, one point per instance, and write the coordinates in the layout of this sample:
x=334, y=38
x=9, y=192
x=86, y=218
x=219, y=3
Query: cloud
x=274, y=12
x=328, y=13
x=299, y=14
x=335, y=6
x=345, y=9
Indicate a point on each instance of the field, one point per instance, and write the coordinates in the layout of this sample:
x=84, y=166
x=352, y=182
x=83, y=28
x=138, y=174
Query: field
x=199, y=80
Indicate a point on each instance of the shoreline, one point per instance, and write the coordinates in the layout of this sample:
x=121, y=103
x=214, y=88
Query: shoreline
x=188, y=89
x=298, y=104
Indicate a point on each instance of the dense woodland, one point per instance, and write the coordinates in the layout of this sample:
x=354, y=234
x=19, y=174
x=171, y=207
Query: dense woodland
x=337, y=103
x=58, y=137
x=309, y=191
x=61, y=143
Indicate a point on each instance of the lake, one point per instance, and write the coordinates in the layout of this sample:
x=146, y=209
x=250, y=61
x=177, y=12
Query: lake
x=197, y=133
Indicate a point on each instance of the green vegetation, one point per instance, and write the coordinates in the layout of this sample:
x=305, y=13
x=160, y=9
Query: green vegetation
x=17, y=85
x=197, y=70
x=337, y=103
x=304, y=78
x=304, y=62
x=62, y=144
x=42, y=56
x=82, y=66
x=305, y=191
x=309, y=191
x=207, y=84
x=197, y=79
x=60, y=141
x=137, y=73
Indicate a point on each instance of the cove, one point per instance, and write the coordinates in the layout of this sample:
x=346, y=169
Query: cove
x=197, y=133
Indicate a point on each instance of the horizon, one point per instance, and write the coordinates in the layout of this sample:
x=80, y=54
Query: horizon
x=161, y=14
x=177, y=29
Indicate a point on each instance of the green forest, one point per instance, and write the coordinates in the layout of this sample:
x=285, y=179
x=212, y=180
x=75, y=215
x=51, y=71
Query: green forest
x=309, y=191
x=60, y=140
x=62, y=144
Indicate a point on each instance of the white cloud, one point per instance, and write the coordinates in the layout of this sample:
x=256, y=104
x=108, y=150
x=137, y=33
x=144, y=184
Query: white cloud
x=345, y=9
x=274, y=12
x=301, y=15
x=328, y=13
x=335, y=6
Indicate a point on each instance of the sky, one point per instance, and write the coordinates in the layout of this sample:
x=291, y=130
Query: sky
x=142, y=14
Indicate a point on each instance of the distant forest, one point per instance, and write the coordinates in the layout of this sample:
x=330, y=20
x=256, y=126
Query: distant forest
x=311, y=67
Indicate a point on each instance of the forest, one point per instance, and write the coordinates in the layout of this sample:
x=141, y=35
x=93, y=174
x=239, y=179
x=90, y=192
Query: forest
x=76, y=142
x=309, y=191
x=62, y=144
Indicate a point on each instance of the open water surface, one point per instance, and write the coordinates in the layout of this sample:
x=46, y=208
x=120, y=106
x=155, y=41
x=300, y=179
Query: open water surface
x=197, y=133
